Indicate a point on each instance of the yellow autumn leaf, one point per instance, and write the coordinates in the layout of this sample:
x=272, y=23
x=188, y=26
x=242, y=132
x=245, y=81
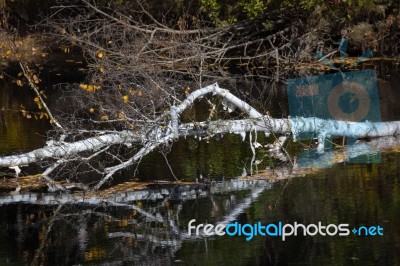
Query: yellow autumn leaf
x=187, y=90
x=100, y=55
x=104, y=117
x=44, y=115
x=89, y=87
x=8, y=52
x=20, y=83
x=94, y=253
x=37, y=101
x=125, y=98
x=123, y=223
x=36, y=79
x=121, y=116
x=91, y=110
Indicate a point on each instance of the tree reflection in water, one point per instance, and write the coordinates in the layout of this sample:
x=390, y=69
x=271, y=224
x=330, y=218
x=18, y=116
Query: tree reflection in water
x=121, y=229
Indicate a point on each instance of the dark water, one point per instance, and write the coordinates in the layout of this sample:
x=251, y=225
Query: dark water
x=354, y=194
x=16, y=132
x=102, y=234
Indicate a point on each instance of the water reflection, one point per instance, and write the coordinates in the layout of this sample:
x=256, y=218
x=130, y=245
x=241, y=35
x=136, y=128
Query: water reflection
x=17, y=133
x=92, y=234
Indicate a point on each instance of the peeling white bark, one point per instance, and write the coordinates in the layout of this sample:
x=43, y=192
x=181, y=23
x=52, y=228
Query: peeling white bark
x=334, y=128
x=65, y=149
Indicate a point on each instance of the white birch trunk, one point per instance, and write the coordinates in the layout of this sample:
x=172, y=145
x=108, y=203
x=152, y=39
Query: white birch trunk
x=65, y=149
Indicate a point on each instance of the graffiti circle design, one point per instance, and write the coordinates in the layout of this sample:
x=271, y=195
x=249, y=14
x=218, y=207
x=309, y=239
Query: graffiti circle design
x=358, y=92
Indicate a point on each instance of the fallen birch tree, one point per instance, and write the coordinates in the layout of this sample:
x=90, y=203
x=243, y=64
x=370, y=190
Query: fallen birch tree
x=168, y=128
x=136, y=91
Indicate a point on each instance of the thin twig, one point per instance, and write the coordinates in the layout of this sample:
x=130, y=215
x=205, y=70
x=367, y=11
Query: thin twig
x=169, y=166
